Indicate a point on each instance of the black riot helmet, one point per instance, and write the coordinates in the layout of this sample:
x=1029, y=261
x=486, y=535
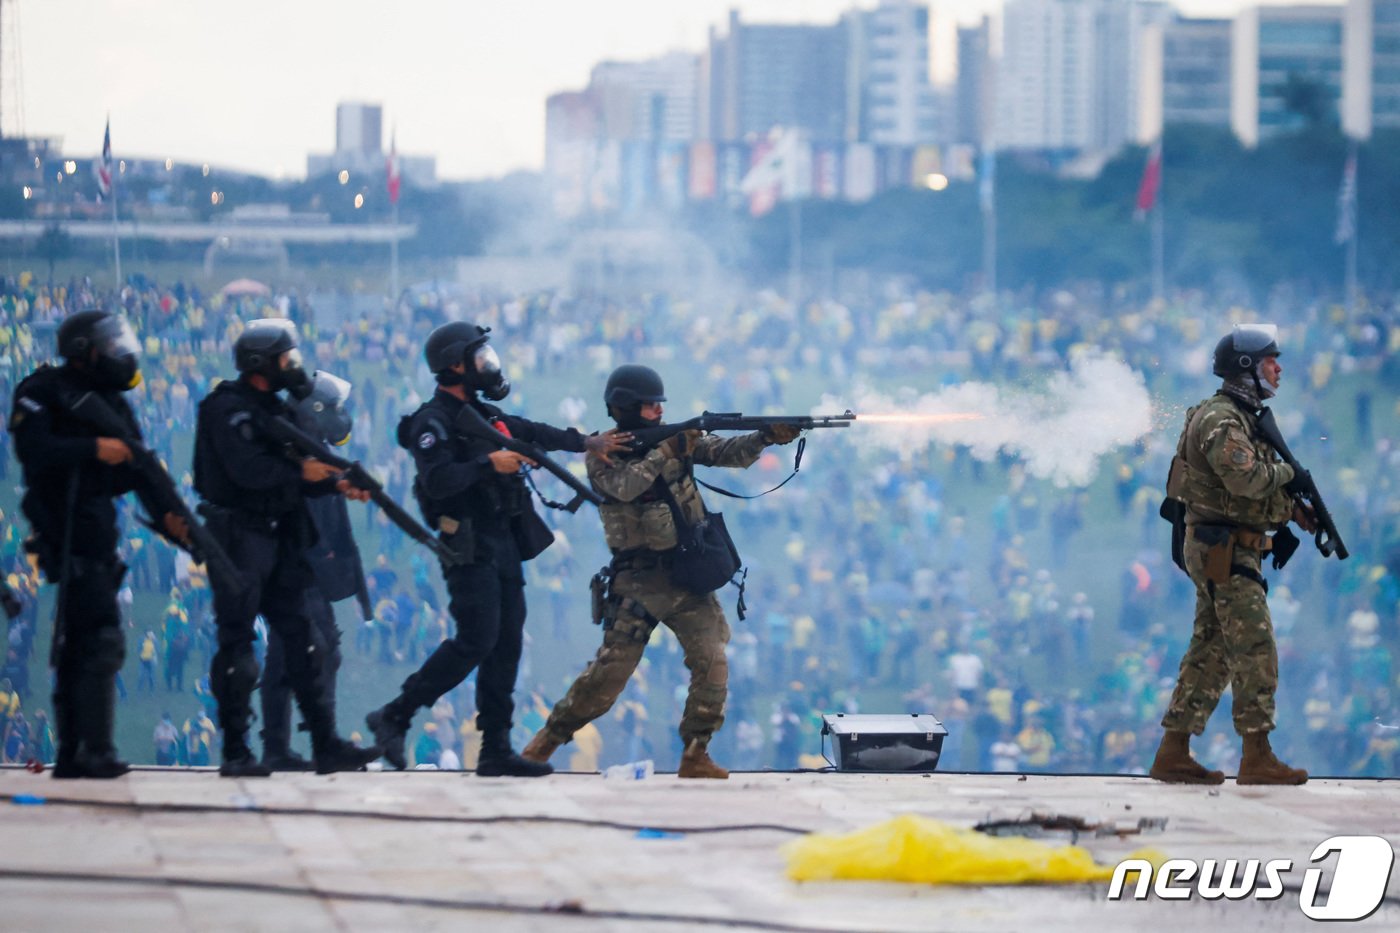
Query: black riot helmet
x=327, y=407
x=1238, y=353
x=103, y=346
x=631, y=384
x=260, y=350
x=629, y=387
x=461, y=342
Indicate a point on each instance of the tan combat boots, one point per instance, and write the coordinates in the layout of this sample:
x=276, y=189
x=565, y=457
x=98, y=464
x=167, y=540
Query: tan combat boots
x=697, y=763
x=1174, y=764
x=1259, y=766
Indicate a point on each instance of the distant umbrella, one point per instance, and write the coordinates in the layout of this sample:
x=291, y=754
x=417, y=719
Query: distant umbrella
x=240, y=287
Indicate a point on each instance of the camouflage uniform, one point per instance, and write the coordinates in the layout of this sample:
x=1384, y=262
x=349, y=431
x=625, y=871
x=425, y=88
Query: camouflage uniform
x=1232, y=483
x=640, y=530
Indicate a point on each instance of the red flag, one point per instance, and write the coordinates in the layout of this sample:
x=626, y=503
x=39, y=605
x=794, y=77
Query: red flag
x=392, y=170
x=104, y=167
x=1151, y=181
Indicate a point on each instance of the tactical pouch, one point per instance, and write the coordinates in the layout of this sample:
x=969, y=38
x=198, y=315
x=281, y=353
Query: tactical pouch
x=532, y=533
x=460, y=539
x=705, y=557
x=1285, y=543
x=1220, y=552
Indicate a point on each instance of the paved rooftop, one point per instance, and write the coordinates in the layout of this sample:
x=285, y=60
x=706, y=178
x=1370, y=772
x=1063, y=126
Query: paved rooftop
x=170, y=849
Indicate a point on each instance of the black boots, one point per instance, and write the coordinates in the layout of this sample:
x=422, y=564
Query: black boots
x=498, y=760
x=340, y=755
x=389, y=726
x=284, y=759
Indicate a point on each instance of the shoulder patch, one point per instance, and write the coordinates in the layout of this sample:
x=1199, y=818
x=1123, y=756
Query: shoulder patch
x=1239, y=455
x=426, y=439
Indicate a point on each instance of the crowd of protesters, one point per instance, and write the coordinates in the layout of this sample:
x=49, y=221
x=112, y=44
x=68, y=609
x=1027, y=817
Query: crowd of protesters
x=1042, y=624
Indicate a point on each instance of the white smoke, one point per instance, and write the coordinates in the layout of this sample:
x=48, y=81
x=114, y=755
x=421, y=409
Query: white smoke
x=1058, y=430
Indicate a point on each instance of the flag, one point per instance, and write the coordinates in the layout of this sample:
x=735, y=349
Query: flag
x=1151, y=182
x=1346, y=201
x=104, y=166
x=391, y=169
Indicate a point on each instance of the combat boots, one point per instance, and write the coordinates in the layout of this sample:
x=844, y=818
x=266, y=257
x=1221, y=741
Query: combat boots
x=697, y=763
x=340, y=755
x=83, y=765
x=540, y=747
x=498, y=760
x=243, y=765
x=1174, y=764
x=284, y=759
x=390, y=728
x=1259, y=766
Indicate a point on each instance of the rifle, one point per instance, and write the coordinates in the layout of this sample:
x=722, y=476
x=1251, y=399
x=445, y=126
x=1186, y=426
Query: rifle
x=1304, y=490
x=202, y=545
x=282, y=431
x=470, y=423
x=643, y=438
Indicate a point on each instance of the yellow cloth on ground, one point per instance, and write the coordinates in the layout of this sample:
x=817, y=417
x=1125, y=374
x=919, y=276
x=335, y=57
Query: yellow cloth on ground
x=925, y=851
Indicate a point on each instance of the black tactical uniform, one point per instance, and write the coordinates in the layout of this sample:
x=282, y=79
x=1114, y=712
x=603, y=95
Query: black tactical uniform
x=68, y=502
x=255, y=505
x=489, y=518
x=336, y=574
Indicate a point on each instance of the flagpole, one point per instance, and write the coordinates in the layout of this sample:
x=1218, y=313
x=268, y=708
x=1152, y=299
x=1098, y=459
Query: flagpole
x=1355, y=235
x=1158, y=252
x=116, y=235
x=394, y=256
x=987, y=201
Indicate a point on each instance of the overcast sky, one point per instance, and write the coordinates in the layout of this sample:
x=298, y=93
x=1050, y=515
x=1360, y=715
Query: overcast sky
x=253, y=84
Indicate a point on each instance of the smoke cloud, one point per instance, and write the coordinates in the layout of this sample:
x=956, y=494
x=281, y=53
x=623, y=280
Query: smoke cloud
x=1059, y=430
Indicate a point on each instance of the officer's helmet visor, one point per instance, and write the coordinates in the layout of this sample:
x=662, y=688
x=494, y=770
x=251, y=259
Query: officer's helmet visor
x=289, y=360
x=329, y=399
x=330, y=391
x=113, y=338
x=1252, y=338
x=485, y=360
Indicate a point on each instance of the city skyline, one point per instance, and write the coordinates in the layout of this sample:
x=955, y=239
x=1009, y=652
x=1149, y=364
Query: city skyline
x=258, y=93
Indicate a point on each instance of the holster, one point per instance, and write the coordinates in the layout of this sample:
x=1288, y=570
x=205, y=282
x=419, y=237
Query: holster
x=1220, y=552
x=598, y=593
x=1174, y=511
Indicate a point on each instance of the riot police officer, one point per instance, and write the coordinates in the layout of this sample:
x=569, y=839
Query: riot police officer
x=71, y=475
x=1234, y=487
x=471, y=491
x=337, y=574
x=649, y=494
x=255, y=503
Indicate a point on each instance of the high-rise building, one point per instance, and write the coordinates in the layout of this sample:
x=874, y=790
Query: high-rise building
x=653, y=99
x=1119, y=27
x=766, y=75
x=1070, y=73
x=359, y=128
x=1385, y=63
x=359, y=149
x=973, y=94
x=1285, y=60
x=1186, y=78
x=1045, y=77
x=890, y=100
x=1371, y=68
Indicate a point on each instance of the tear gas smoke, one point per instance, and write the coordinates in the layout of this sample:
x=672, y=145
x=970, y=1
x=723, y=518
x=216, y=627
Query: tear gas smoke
x=1059, y=430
